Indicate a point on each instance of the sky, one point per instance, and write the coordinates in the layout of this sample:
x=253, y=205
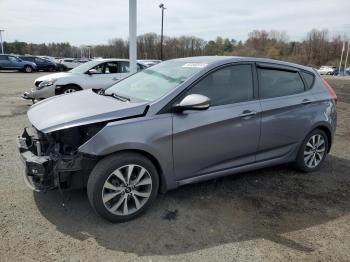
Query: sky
x=95, y=22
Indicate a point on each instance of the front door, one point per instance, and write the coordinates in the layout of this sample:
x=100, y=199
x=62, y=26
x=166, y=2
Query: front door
x=224, y=136
x=106, y=74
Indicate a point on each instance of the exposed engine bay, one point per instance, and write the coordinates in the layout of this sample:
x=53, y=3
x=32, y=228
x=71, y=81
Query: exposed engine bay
x=53, y=160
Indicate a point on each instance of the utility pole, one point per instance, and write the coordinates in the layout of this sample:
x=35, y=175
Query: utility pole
x=132, y=36
x=341, y=57
x=2, y=46
x=346, y=58
x=161, y=34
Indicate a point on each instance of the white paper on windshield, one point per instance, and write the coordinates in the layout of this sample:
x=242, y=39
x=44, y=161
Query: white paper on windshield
x=195, y=65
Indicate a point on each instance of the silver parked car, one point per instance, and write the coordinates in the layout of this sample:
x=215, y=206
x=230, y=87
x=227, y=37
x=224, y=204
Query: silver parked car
x=178, y=122
x=99, y=73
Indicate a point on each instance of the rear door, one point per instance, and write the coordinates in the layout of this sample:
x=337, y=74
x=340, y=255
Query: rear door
x=124, y=69
x=112, y=74
x=286, y=105
x=224, y=136
x=4, y=61
x=13, y=63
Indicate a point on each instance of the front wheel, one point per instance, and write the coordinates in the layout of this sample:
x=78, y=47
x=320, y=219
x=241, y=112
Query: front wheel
x=313, y=151
x=28, y=69
x=69, y=89
x=122, y=186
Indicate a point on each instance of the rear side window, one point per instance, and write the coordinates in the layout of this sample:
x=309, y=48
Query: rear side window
x=309, y=79
x=276, y=83
x=27, y=58
x=229, y=85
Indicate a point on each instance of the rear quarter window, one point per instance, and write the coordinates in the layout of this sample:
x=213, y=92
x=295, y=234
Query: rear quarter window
x=309, y=79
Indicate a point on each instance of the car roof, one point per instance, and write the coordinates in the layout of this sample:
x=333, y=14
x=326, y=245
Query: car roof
x=227, y=59
x=113, y=60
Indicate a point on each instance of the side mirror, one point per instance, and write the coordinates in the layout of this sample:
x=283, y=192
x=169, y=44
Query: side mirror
x=193, y=102
x=92, y=71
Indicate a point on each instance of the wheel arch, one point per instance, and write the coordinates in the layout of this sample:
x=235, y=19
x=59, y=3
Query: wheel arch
x=328, y=132
x=325, y=127
x=162, y=181
x=59, y=87
x=72, y=84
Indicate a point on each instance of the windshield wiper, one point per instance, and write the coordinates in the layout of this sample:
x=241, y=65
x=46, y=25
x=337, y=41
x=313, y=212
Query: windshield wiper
x=114, y=95
x=119, y=97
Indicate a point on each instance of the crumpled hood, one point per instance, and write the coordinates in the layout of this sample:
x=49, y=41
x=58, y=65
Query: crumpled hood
x=55, y=75
x=80, y=108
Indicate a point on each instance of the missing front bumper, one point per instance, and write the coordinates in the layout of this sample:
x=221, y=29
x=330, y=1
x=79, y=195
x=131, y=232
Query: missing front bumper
x=51, y=170
x=38, y=168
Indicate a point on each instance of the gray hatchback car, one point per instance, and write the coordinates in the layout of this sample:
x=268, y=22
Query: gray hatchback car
x=178, y=122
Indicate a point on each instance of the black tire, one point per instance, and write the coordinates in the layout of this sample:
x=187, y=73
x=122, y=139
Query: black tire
x=51, y=69
x=28, y=69
x=102, y=172
x=300, y=161
x=69, y=89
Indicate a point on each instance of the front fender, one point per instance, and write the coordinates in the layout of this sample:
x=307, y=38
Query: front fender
x=151, y=135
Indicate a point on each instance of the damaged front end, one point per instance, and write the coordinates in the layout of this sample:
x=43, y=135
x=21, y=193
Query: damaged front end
x=53, y=161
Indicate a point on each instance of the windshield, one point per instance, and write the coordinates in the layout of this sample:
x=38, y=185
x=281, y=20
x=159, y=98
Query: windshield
x=152, y=83
x=80, y=69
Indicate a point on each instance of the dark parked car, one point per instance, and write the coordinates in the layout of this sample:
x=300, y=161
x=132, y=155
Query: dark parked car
x=178, y=122
x=11, y=62
x=42, y=64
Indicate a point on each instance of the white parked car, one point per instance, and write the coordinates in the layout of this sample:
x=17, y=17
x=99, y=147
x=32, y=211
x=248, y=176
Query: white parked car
x=70, y=63
x=148, y=62
x=326, y=70
x=100, y=73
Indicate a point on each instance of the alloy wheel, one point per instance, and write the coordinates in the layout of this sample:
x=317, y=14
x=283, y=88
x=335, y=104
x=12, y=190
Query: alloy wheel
x=127, y=189
x=314, y=151
x=69, y=90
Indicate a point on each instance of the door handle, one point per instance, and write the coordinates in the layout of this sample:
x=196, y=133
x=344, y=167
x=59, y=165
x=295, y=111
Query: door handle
x=247, y=113
x=306, y=102
x=115, y=78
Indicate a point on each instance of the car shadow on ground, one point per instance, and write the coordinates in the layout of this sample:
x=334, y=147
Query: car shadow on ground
x=260, y=204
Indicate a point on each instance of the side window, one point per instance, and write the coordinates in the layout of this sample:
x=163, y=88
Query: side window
x=99, y=68
x=229, y=85
x=111, y=68
x=309, y=79
x=275, y=83
x=140, y=67
x=124, y=67
x=12, y=59
x=38, y=60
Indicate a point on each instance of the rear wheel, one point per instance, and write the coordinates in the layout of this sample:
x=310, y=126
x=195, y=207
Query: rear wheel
x=28, y=69
x=313, y=151
x=122, y=186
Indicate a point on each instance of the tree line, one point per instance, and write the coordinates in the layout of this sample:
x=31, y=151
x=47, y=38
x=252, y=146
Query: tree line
x=317, y=48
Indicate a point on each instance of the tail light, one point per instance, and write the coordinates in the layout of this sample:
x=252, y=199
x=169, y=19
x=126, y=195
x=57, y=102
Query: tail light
x=330, y=90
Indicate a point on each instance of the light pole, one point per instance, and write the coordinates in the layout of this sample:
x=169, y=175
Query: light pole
x=89, y=46
x=161, y=34
x=2, y=46
x=132, y=36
